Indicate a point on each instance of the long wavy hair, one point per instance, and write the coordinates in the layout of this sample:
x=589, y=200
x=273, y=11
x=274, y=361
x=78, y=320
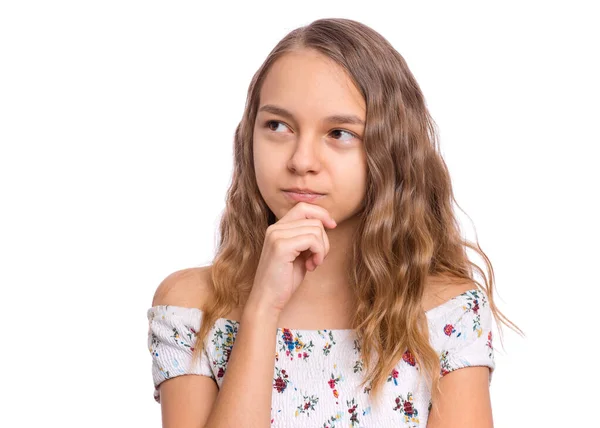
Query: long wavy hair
x=408, y=231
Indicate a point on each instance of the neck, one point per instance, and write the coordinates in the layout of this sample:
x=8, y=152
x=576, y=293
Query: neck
x=330, y=278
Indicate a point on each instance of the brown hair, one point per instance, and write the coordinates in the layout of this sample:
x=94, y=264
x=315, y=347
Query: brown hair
x=408, y=230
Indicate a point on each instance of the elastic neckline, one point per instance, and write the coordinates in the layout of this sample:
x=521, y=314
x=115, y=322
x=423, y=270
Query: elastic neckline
x=315, y=331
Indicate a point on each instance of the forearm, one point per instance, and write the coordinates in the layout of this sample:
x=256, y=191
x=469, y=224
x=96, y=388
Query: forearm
x=247, y=386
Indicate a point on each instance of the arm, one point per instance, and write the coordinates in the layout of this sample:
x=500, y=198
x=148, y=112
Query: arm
x=248, y=383
x=187, y=400
x=465, y=400
x=246, y=391
x=196, y=401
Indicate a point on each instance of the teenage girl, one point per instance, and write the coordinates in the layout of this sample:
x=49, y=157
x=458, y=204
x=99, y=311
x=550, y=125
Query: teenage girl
x=341, y=275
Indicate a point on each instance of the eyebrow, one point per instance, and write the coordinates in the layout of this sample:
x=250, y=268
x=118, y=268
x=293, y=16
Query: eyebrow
x=336, y=118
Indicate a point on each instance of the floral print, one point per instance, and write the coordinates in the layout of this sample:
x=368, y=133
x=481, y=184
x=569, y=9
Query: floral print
x=393, y=376
x=223, y=344
x=407, y=408
x=353, y=412
x=472, y=305
x=445, y=367
x=449, y=329
x=489, y=345
x=333, y=421
x=408, y=358
x=328, y=344
x=473, y=317
x=281, y=380
x=308, y=405
x=317, y=373
x=333, y=383
x=293, y=345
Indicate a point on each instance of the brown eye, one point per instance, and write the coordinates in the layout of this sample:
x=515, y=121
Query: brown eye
x=270, y=123
x=341, y=131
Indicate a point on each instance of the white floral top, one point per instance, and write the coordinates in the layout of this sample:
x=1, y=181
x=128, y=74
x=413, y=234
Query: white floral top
x=316, y=373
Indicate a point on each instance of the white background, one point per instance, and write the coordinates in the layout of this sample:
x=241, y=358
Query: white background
x=116, y=132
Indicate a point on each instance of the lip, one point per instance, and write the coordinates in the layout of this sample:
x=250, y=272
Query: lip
x=302, y=190
x=303, y=197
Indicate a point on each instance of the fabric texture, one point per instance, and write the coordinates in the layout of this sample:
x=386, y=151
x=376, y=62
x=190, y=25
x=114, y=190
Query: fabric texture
x=317, y=373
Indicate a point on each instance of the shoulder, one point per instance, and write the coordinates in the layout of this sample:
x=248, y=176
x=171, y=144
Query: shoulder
x=441, y=289
x=191, y=287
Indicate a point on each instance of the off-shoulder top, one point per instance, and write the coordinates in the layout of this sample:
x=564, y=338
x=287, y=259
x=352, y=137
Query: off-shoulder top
x=316, y=373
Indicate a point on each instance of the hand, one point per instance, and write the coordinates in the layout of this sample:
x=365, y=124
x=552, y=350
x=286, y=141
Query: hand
x=293, y=245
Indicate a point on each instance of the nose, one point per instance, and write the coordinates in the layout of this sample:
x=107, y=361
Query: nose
x=306, y=155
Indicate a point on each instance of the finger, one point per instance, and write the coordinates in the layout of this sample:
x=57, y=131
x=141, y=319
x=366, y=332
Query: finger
x=297, y=223
x=289, y=232
x=309, y=222
x=307, y=242
x=300, y=224
x=304, y=210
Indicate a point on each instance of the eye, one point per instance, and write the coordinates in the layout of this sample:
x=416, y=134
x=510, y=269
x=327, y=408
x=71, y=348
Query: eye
x=270, y=123
x=351, y=134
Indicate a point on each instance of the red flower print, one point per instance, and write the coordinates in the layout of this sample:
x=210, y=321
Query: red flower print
x=307, y=405
x=490, y=335
x=280, y=385
x=287, y=335
x=352, y=409
x=409, y=358
x=335, y=393
x=281, y=380
x=331, y=383
x=476, y=307
x=221, y=372
x=406, y=406
x=393, y=376
x=448, y=329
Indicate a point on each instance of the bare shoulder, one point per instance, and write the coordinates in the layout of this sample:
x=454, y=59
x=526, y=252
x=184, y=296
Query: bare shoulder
x=439, y=290
x=190, y=288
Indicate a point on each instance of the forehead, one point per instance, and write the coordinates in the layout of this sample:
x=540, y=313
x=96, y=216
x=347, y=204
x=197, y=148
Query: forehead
x=311, y=85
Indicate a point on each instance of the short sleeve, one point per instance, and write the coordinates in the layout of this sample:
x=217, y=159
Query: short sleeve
x=467, y=332
x=171, y=340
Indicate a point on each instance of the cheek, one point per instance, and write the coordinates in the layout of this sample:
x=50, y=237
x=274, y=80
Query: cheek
x=264, y=169
x=352, y=177
x=261, y=173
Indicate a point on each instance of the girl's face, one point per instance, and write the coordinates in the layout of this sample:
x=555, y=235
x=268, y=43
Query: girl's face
x=308, y=134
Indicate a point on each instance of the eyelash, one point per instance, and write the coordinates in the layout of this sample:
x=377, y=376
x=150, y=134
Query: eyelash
x=266, y=125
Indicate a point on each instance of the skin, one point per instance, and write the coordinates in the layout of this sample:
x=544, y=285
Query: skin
x=306, y=151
